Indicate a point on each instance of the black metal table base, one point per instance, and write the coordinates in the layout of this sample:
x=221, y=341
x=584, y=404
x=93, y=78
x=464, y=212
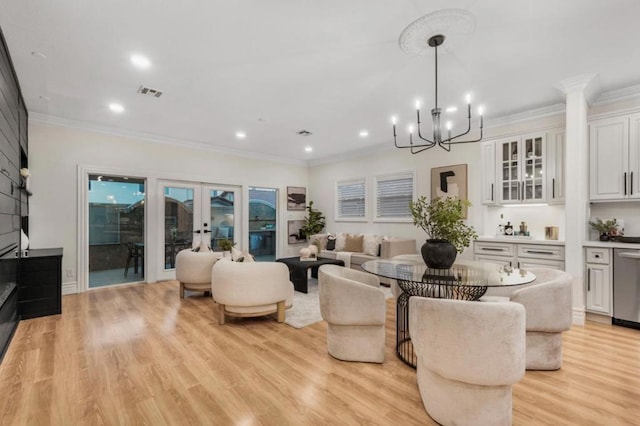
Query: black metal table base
x=404, y=346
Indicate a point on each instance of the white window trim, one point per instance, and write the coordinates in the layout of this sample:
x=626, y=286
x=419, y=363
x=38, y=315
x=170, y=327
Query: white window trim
x=337, y=217
x=387, y=176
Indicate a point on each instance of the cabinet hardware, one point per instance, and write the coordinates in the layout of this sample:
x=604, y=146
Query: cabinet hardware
x=597, y=256
x=5, y=172
x=553, y=188
x=588, y=279
x=631, y=184
x=518, y=265
x=206, y=231
x=491, y=249
x=523, y=194
x=625, y=183
x=491, y=192
x=197, y=231
x=540, y=252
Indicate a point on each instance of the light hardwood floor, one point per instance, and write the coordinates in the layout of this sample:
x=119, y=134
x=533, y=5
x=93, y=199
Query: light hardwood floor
x=140, y=355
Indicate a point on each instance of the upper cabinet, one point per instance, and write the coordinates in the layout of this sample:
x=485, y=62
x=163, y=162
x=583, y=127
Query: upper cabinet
x=521, y=168
x=525, y=168
x=614, y=158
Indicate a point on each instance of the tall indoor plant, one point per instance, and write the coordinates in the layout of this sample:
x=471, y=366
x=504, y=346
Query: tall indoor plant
x=314, y=221
x=447, y=234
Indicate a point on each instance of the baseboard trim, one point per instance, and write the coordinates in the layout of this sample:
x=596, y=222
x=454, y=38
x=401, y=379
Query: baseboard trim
x=578, y=316
x=70, y=288
x=600, y=318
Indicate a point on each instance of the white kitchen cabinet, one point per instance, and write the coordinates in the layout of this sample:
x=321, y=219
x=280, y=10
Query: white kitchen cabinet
x=599, y=285
x=520, y=170
x=520, y=254
x=614, y=158
x=488, y=159
x=555, y=166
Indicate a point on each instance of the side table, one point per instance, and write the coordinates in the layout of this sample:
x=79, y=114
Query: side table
x=298, y=269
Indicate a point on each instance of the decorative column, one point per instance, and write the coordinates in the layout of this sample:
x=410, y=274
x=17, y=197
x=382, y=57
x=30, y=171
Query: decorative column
x=578, y=91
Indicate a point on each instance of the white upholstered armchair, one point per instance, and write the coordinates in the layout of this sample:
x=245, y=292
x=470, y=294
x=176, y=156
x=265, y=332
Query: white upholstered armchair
x=547, y=302
x=469, y=355
x=193, y=270
x=251, y=289
x=353, y=304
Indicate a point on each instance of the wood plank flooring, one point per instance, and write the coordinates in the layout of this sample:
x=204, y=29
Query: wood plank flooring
x=140, y=355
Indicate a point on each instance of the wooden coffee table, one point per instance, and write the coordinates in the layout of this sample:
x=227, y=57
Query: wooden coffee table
x=298, y=269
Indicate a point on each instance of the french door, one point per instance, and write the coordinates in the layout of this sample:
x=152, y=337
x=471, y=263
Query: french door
x=193, y=212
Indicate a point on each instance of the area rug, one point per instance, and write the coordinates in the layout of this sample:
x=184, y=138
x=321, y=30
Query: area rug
x=306, y=307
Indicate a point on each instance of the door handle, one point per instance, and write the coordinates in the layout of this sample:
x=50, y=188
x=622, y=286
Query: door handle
x=197, y=231
x=588, y=279
x=625, y=183
x=206, y=231
x=629, y=254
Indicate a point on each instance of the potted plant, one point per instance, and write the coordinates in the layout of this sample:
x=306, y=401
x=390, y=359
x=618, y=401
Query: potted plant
x=606, y=229
x=226, y=245
x=447, y=234
x=314, y=222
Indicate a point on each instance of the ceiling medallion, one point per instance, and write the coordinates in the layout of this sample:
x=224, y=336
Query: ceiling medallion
x=457, y=24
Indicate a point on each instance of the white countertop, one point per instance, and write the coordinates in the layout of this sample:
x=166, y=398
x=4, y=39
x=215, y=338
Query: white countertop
x=610, y=244
x=520, y=240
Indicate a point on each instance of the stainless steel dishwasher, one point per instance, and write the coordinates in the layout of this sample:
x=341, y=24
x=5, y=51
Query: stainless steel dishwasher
x=626, y=287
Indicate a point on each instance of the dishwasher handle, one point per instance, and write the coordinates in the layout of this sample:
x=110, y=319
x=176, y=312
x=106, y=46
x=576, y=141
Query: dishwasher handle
x=629, y=254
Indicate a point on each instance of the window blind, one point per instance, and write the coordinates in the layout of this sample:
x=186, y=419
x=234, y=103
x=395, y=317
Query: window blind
x=351, y=199
x=393, y=195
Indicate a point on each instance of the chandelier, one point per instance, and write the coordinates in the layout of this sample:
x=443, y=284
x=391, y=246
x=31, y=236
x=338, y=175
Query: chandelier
x=437, y=139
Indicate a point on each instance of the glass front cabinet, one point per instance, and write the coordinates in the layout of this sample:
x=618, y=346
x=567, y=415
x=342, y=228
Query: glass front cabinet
x=520, y=169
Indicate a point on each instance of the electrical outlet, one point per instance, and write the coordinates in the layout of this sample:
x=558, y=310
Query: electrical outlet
x=69, y=273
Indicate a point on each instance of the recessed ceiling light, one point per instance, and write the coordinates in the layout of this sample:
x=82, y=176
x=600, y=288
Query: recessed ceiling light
x=117, y=108
x=140, y=61
x=241, y=135
x=452, y=109
x=363, y=133
x=308, y=149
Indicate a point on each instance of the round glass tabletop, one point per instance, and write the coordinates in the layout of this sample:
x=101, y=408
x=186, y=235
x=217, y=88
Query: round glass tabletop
x=462, y=273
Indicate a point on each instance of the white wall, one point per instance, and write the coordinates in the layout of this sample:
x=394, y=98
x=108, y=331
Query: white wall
x=323, y=177
x=55, y=154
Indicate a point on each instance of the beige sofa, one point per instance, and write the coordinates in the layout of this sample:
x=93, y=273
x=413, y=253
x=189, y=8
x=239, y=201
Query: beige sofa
x=373, y=248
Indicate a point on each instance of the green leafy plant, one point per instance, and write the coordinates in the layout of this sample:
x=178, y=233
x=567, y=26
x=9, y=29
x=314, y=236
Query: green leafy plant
x=609, y=227
x=226, y=244
x=441, y=219
x=314, y=222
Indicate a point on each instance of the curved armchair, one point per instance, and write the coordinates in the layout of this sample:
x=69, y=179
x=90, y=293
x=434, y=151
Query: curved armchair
x=354, y=307
x=251, y=289
x=469, y=355
x=193, y=270
x=548, y=304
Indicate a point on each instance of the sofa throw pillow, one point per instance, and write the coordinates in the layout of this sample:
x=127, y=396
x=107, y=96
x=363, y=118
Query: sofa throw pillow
x=341, y=239
x=331, y=242
x=235, y=254
x=354, y=243
x=320, y=240
x=371, y=243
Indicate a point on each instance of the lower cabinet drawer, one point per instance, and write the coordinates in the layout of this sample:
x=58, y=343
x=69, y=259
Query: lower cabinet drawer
x=539, y=251
x=38, y=308
x=524, y=263
x=495, y=249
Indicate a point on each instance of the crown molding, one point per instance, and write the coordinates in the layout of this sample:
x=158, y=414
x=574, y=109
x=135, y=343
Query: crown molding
x=37, y=117
x=532, y=114
x=588, y=84
x=354, y=154
x=617, y=95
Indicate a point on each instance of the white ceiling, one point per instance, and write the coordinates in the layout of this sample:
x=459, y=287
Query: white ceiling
x=332, y=67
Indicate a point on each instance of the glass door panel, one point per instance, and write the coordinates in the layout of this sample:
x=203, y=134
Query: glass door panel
x=510, y=171
x=178, y=222
x=263, y=214
x=533, y=169
x=116, y=230
x=221, y=208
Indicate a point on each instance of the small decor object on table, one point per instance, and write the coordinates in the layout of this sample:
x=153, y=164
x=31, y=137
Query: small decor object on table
x=447, y=234
x=606, y=229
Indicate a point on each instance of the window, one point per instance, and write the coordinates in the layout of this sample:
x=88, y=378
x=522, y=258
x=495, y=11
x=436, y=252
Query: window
x=351, y=200
x=393, y=195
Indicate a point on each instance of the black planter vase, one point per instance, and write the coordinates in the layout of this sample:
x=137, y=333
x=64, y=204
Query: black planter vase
x=439, y=254
x=605, y=236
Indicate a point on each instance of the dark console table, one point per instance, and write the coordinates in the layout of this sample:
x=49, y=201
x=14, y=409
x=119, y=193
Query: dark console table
x=40, y=283
x=298, y=269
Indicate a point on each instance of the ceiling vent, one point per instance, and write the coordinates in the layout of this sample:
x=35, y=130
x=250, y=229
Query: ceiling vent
x=304, y=133
x=147, y=91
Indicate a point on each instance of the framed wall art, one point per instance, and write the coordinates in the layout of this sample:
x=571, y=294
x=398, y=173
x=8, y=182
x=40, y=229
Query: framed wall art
x=293, y=232
x=450, y=181
x=296, y=198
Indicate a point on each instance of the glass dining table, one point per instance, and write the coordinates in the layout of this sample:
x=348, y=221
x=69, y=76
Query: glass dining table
x=465, y=280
